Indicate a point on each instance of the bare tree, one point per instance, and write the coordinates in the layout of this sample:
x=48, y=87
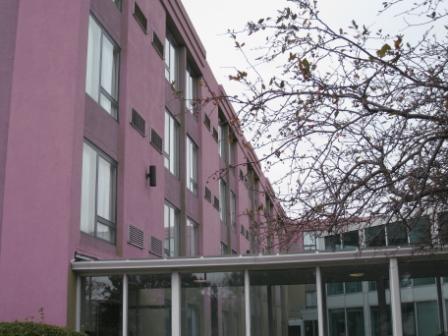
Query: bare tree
x=360, y=116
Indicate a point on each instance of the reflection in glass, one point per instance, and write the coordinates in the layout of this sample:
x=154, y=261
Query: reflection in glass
x=283, y=302
x=101, y=305
x=213, y=304
x=149, y=305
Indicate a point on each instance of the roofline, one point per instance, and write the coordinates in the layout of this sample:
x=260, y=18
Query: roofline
x=260, y=262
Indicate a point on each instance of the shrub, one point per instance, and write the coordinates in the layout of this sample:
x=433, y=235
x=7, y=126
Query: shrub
x=34, y=329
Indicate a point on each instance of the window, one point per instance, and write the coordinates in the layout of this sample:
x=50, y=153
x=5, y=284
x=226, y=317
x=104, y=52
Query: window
x=192, y=166
x=222, y=201
x=375, y=236
x=102, y=68
x=223, y=140
x=224, y=249
x=190, y=91
x=232, y=208
x=192, y=238
x=170, y=60
x=171, y=144
x=309, y=241
x=171, y=225
x=98, y=194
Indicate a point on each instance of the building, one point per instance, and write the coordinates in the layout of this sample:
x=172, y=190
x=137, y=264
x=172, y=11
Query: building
x=115, y=143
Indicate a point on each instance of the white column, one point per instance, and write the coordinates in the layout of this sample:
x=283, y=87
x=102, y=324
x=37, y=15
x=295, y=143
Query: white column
x=125, y=305
x=320, y=306
x=247, y=302
x=78, y=304
x=175, y=304
x=395, y=302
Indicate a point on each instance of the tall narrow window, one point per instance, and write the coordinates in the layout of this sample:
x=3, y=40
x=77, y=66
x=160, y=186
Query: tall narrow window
x=190, y=91
x=171, y=144
x=102, y=68
x=233, y=209
x=223, y=140
x=98, y=194
x=170, y=60
x=192, y=238
x=222, y=201
x=192, y=166
x=171, y=225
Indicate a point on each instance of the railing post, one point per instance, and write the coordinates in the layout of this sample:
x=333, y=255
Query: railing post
x=125, y=305
x=320, y=306
x=247, y=302
x=395, y=302
x=175, y=304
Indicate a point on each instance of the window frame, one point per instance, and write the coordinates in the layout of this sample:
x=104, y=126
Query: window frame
x=171, y=160
x=192, y=241
x=175, y=225
x=190, y=90
x=98, y=219
x=171, y=59
x=191, y=170
x=113, y=97
x=223, y=201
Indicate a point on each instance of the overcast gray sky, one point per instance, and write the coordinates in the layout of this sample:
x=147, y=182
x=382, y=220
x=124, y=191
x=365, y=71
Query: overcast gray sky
x=212, y=19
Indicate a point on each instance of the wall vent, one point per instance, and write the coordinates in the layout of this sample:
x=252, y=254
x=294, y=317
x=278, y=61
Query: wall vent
x=157, y=44
x=138, y=123
x=135, y=237
x=140, y=18
x=216, y=203
x=156, y=246
x=208, y=194
x=156, y=141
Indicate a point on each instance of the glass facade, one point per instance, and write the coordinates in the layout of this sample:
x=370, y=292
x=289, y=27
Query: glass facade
x=213, y=304
x=149, y=305
x=101, y=305
x=348, y=298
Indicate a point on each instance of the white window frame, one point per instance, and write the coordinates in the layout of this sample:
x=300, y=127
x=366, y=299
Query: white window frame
x=102, y=77
x=171, y=144
x=223, y=201
x=171, y=227
x=190, y=91
x=192, y=238
x=98, y=209
x=171, y=60
x=192, y=166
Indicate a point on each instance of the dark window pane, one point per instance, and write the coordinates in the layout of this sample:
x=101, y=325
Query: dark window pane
x=353, y=287
x=397, y=234
x=101, y=309
x=332, y=243
x=420, y=230
x=375, y=236
x=350, y=240
x=335, y=288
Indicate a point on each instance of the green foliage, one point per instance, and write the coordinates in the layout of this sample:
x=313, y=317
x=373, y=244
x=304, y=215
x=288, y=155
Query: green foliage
x=34, y=329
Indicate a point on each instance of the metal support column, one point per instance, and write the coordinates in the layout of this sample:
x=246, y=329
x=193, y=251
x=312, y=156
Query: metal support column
x=175, y=304
x=78, y=304
x=320, y=307
x=395, y=302
x=247, y=302
x=125, y=305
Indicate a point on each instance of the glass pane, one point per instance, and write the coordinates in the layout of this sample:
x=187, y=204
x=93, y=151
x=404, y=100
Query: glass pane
x=93, y=59
x=427, y=318
x=355, y=321
x=283, y=302
x=106, y=104
x=88, y=189
x=101, y=305
x=408, y=318
x=337, y=322
x=397, y=234
x=105, y=232
x=213, y=304
x=332, y=243
x=420, y=231
x=107, y=67
x=375, y=236
x=105, y=205
x=192, y=238
x=350, y=240
x=222, y=201
x=353, y=287
x=149, y=306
